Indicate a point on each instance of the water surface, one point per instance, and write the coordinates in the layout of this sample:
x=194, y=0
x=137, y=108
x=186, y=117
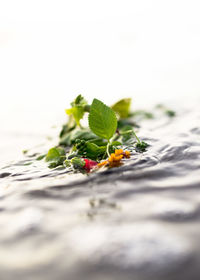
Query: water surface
x=138, y=221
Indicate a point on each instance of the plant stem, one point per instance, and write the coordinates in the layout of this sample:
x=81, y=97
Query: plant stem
x=87, y=108
x=107, y=148
x=138, y=140
x=131, y=131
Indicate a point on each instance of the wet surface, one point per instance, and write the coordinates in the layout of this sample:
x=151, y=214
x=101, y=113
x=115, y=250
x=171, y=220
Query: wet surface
x=138, y=221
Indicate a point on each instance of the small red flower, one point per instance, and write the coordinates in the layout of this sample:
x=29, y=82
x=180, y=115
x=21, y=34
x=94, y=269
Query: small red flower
x=89, y=164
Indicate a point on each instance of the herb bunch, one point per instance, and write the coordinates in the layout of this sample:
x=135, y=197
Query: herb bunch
x=109, y=131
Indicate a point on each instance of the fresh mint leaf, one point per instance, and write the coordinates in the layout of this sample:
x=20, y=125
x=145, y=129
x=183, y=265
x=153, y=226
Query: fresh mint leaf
x=102, y=120
x=55, y=154
x=122, y=107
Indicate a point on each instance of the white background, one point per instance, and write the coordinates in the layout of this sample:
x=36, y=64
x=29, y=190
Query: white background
x=50, y=51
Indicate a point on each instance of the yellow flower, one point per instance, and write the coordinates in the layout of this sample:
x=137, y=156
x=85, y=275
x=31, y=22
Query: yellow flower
x=127, y=154
x=119, y=152
x=103, y=163
x=114, y=159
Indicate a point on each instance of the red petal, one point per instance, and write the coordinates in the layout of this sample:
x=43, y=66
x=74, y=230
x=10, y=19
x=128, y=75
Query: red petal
x=89, y=164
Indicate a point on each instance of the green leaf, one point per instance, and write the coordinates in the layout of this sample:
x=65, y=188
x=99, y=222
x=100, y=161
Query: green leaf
x=66, y=128
x=41, y=157
x=77, y=113
x=82, y=134
x=65, y=140
x=55, y=154
x=79, y=100
x=77, y=110
x=122, y=107
x=69, y=138
x=67, y=163
x=128, y=121
x=56, y=157
x=116, y=143
x=98, y=141
x=78, y=162
x=141, y=146
x=102, y=120
x=56, y=163
x=92, y=150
